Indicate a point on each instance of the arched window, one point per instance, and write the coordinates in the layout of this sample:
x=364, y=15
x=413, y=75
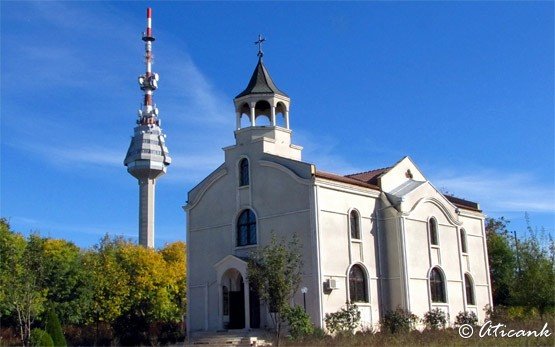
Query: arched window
x=437, y=286
x=246, y=228
x=244, y=172
x=432, y=225
x=463, y=241
x=357, y=284
x=355, y=227
x=469, y=290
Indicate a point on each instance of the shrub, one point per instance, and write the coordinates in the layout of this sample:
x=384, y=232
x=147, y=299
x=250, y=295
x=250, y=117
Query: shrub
x=366, y=331
x=100, y=334
x=499, y=314
x=40, y=338
x=164, y=333
x=344, y=321
x=435, y=319
x=54, y=329
x=9, y=336
x=131, y=330
x=299, y=322
x=318, y=334
x=466, y=317
x=521, y=312
x=398, y=321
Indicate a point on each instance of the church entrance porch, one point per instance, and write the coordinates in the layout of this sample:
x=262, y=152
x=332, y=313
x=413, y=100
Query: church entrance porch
x=239, y=305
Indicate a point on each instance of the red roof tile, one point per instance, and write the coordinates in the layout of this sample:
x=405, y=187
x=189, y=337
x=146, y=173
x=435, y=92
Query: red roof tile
x=370, y=177
x=345, y=179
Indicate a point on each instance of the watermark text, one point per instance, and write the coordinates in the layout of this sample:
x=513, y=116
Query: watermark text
x=500, y=330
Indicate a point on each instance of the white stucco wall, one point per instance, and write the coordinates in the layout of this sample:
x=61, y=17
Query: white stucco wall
x=339, y=252
x=448, y=256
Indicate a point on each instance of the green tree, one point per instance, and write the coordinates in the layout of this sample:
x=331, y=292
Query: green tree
x=11, y=248
x=175, y=256
x=54, y=329
x=40, y=338
x=535, y=278
x=115, y=283
x=109, y=283
x=502, y=260
x=20, y=278
x=69, y=289
x=157, y=290
x=275, y=272
x=522, y=269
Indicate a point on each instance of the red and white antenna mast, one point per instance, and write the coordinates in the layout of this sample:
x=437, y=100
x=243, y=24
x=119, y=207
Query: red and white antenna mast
x=149, y=81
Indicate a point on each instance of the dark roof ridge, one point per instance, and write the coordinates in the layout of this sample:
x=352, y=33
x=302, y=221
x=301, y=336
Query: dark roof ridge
x=463, y=203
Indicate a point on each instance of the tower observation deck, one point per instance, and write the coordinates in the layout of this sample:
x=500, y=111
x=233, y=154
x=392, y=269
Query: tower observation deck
x=147, y=157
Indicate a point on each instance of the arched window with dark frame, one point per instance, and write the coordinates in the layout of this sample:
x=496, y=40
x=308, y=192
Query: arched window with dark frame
x=469, y=290
x=463, y=241
x=358, y=291
x=432, y=226
x=244, y=172
x=437, y=286
x=354, y=223
x=246, y=228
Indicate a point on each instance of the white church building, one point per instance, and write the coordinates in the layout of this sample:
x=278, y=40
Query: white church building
x=382, y=239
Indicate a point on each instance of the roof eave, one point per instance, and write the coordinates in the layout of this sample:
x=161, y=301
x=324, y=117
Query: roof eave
x=343, y=179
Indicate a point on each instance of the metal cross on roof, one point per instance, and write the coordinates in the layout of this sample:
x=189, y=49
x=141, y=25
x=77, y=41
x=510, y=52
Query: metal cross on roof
x=261, y=39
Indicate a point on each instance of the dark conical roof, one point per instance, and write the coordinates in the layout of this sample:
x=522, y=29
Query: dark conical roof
x=261, y=82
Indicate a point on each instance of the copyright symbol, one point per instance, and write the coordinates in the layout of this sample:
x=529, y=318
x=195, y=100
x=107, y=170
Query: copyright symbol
x=466, y=331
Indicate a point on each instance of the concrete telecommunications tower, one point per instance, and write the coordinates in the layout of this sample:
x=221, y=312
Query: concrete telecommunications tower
x=147, y=156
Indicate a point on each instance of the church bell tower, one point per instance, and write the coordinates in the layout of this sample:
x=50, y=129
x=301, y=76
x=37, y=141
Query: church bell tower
x=147, y=157
x=266, y=109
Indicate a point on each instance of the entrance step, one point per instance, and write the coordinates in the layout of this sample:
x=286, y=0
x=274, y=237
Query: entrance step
x=242, y=338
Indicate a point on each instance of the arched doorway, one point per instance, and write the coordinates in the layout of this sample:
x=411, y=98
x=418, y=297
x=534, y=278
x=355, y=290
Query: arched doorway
x=233, y=292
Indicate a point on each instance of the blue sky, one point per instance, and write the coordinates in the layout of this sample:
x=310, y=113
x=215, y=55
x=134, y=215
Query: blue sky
x=466, y=89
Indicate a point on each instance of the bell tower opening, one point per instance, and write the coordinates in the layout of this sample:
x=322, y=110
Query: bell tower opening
x=262, y=110
x=282, y=115
x=244, y=116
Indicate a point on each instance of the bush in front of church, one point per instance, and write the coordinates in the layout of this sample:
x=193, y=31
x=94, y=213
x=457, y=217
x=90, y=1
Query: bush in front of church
x=466, y=318
x=299, y=322
x=435, y=319
x=345, y=321
x=398, y=321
